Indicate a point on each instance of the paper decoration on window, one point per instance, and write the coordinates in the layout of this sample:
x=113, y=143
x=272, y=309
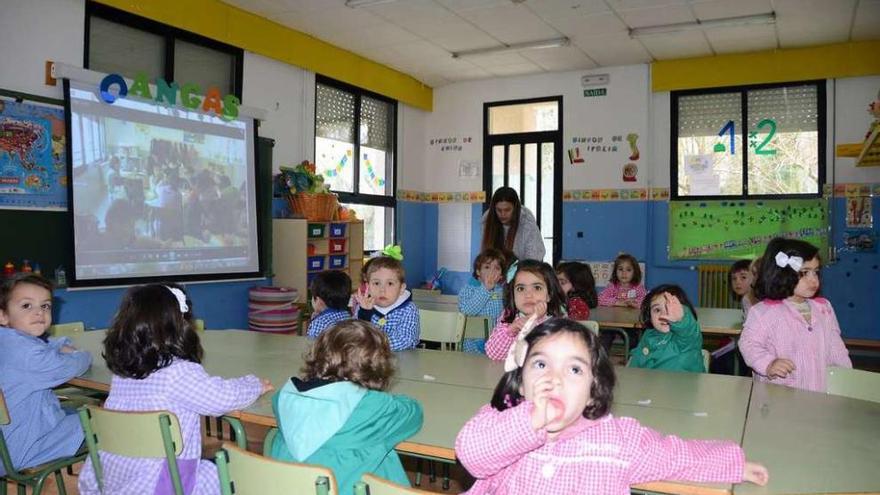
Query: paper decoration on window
x=371, y=172
x=339, y=165
x=702, y=179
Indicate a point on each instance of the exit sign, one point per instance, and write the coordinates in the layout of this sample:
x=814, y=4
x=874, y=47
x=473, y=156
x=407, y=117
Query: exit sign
x=595, y=92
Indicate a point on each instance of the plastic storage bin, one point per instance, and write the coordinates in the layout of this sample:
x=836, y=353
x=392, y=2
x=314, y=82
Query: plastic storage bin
x=316, y=263
x=337, y=229
x=337, y=261
x=316, y=229
x=337, y=245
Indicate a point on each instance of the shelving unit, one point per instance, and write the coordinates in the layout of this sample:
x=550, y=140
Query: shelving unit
x=301, y=249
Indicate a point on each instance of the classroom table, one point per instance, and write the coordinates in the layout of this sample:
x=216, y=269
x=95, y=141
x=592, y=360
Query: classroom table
x=691, y=405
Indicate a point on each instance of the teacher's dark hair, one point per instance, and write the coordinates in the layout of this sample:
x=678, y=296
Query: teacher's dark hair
x=493, y=229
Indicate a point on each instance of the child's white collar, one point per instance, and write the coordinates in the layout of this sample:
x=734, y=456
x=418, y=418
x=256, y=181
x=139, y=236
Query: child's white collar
x=402, y=298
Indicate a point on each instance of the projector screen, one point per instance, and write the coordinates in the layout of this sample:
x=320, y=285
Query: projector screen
x=159, y=192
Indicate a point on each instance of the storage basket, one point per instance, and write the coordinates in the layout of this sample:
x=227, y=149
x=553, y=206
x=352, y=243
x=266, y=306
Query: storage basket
x=313, y=206
x=273, y=309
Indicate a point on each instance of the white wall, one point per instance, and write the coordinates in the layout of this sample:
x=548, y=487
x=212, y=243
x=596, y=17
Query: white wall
x=458, y=112
x=287, y=93
x=411, y=135
x=34, y=31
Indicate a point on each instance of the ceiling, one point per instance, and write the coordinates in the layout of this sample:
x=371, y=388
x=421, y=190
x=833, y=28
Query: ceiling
x=417, y=37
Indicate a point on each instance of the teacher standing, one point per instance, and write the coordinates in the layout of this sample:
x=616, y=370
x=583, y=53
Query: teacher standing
x=508, y=226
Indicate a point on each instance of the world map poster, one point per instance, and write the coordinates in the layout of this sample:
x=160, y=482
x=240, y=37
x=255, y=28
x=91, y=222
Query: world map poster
x=33, y=161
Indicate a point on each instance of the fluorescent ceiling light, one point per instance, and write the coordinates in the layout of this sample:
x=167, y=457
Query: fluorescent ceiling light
x=748, y=20
x=365, y=3
x=531, y=45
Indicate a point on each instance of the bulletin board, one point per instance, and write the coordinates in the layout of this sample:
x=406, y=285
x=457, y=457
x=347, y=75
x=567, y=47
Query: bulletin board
x=729, y=230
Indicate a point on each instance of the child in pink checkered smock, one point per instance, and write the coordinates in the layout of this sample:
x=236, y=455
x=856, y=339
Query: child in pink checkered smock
x=154, y=353
x=548, y=428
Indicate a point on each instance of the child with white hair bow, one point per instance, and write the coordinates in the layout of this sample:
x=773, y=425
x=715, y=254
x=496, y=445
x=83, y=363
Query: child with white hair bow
x=791, y=336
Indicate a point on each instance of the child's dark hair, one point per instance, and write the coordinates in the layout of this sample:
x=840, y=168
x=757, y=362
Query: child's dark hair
x=633, y=262
x=488, y=255
x=333, y=287
x=582, y=282
x=738, y=266
x=22, y=278
x=673, y=290
x=601, y=390
x=556, y=303
x=354, y=351
x=775, y=282
x=149, y=331
x=376, y=264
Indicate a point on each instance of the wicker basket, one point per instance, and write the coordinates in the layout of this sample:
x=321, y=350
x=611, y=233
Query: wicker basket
x=314, y=206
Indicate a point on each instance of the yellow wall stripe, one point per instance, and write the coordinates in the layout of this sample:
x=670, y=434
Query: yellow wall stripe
x=820, y=62
x=219, y=21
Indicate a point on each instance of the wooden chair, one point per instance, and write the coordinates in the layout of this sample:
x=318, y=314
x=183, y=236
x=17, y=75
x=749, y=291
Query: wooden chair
x=245, y=472
x=36, y=476
x=72, y=329
x=855, y=384
x=374, y=485
x=444, y=327
x=133, y=434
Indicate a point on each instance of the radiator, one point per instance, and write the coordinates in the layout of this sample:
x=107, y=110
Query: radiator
x=713, y=289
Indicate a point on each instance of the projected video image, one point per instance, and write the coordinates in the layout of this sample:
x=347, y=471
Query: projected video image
x=160, y=191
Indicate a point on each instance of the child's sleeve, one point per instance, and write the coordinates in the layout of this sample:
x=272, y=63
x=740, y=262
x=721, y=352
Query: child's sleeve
x=836, y=352
x=499, y=341
x=658, y=457
x=405, y=420
x=365, y=314
x=608, y=296
x=403, y=327
x=472, y=300
x=578, y=309
x=493, y=440
x=316, y=326
x=754, y=343
x=210, y=395
x=50, y=367
x=686, y=333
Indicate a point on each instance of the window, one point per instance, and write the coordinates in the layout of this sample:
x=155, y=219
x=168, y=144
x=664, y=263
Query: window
x=780, y=152
x=122, y=43
x=355, y=145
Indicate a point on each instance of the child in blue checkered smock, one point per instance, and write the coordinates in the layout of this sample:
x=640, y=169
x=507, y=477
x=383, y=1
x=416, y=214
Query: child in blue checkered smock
x=331, y=293
x=388, y=305
x=484, y=294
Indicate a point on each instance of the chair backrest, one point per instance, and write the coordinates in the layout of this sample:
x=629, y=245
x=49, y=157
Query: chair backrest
x=374, y=485
x=71, y=329
x=199, y=325
x=707, y=358
x=442, y=326
x=856, y=384
x=5, y=458
x=253, y=473
x=477, y=326
x=433, y=299
x=591, y=325
x=133, y=434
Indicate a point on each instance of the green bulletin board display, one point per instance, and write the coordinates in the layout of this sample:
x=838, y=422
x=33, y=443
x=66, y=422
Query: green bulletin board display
x=728, y=230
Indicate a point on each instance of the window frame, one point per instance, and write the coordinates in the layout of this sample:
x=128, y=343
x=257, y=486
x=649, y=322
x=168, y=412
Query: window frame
x=821, y=127
x=356, y=197
x=169, y=35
